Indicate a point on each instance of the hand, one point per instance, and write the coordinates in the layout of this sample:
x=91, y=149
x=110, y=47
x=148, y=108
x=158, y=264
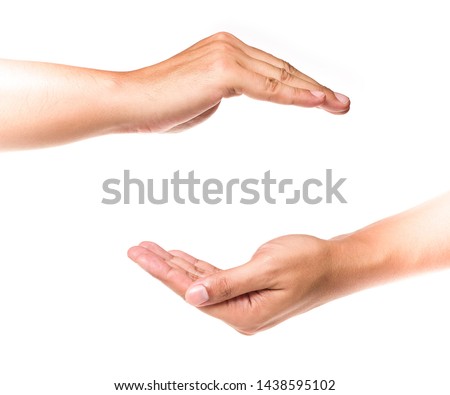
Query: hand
x=187, y=88
x=293, y=274
x=285, y=277
x=47, y=104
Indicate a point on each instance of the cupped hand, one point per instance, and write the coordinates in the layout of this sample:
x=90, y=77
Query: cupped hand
x=187, y=88
x=285, y=277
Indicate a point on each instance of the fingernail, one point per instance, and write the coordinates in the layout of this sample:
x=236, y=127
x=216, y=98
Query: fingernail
x=318, y=94
x=342, y=98
x=197, y=295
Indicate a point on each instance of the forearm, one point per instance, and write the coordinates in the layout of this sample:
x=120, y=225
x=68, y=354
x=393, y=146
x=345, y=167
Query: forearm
x=47, y=104
x=409, y=243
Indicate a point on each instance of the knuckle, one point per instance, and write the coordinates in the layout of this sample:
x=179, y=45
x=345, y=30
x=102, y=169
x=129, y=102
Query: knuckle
x=224, y=288
x=223, y=36
x=284, y=75
x=222, y=52
x=222, y=56
x=268, y=263
x=325, y=90
x=288, y=67
x=171, y=275
x=222, y=47
x=271, y=270
x=271, y=85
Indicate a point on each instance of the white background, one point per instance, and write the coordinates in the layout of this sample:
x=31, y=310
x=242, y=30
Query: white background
x=77, y=315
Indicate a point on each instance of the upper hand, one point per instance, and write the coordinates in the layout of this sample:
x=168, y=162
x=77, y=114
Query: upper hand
x=187, y=88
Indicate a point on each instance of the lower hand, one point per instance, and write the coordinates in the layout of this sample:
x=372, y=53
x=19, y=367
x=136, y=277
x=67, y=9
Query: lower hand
x=285, y=277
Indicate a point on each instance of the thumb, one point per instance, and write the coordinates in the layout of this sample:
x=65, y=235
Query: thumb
x=227, y=284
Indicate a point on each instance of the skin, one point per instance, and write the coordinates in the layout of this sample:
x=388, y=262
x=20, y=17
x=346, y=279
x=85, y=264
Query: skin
x=47, y=104
x=293, y=274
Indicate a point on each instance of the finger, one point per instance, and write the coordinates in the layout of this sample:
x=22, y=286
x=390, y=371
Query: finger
x=161, y=252
x=260, y=87
x=158, y=250
x=192, y=270
x=273, y=79
x=334, y=107
x=277, y=62
x=228, y=284
x=199, y=264
x=258, y=54
x=174, y=278
x=252, y=52
x=335, y=103
x=185, y=256
x=276, y=72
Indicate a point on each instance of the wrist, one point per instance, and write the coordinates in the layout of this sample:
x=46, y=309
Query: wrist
x=360, y=261
x=138, y=96
x=120, y=102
